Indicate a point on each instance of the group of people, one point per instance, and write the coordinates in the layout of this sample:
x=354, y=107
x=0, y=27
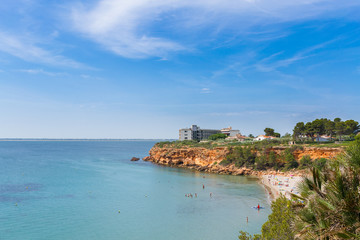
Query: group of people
x=191, y=196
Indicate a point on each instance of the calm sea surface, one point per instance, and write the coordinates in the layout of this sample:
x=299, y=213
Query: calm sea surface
x=90, y=190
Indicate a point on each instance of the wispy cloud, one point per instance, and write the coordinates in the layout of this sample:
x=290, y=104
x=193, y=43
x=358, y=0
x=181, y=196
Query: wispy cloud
x=273, y=63
x=41, y=71
x=143, y=28
x=27, y=48
x=270, y=64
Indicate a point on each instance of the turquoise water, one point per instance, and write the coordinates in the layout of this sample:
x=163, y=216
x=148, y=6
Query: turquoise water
x=75, y=190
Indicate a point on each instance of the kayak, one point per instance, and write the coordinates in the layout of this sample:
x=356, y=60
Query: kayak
x=258, y=208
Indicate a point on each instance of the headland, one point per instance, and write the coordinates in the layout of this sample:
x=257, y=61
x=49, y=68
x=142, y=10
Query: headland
x=278, y=178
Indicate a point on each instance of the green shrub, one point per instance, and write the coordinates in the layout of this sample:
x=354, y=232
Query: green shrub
x=240, y=156
x=225, y=162
x=272, y=159
x=320, y=163
x=162, y=144
x=246, y=236
x=260, y=163
x=289, y=159
x=217, y=136
x=305, y=162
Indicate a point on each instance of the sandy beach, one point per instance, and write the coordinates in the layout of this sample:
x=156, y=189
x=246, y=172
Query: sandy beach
x=278, y=185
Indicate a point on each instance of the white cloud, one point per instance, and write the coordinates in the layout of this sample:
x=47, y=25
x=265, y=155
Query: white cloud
x=205, y=90
x=27, y=48
x=131, y=28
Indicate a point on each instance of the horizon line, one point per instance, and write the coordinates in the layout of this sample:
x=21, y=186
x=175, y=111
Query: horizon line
x=82, y=139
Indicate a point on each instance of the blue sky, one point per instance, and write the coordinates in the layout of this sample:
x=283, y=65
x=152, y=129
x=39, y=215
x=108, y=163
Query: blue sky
x=144, y=69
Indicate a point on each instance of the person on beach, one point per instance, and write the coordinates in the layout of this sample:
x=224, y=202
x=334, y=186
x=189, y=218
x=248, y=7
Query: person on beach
x=195, y=194
x=247, y=219
x=258, y=207
x=203, y=186
x=211, y=195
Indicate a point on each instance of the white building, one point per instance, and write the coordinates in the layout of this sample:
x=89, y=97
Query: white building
x=196, y=133
x=262, y=137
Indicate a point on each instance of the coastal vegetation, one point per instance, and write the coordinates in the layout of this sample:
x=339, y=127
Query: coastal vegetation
x=271, y=132
x=257, y=144
x=336, y=128
x=262, y=158
x=328, y=206
x=279, y=224
x=217, y=136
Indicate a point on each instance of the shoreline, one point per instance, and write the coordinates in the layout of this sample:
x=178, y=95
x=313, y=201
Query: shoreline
x=276, y=183
x=281, y=185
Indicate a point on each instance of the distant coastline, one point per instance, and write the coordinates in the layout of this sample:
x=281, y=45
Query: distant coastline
x=81, y=139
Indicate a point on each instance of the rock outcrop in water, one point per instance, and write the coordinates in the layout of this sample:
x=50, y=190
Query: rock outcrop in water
x=208, y=160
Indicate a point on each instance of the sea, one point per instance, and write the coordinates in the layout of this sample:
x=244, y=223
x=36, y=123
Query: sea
x=90, y=190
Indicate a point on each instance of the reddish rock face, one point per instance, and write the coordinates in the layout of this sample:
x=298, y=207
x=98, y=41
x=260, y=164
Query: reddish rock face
x=313, y=152
x=208, y=160
x=187, y=156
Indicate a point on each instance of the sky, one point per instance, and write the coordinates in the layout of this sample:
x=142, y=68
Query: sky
x=145, y=68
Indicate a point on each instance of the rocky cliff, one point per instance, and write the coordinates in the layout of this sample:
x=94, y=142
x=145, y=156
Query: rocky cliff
x=208, y=160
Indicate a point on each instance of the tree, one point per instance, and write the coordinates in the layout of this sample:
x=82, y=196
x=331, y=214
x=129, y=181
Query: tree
x=260, y=162
x=299, y=130
x=217, y=136
x=279, y=225
x=340, y=128
x=286, y=135
x=272, y=160
x=240, y=156
x=246, y=236
x=269, y=131
x=336, y=120
x=276, y=135
x=251, y=136
x=309, y=130
x=351, y=126
x=318, y=127
x=290, y=161
x=330, y=128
